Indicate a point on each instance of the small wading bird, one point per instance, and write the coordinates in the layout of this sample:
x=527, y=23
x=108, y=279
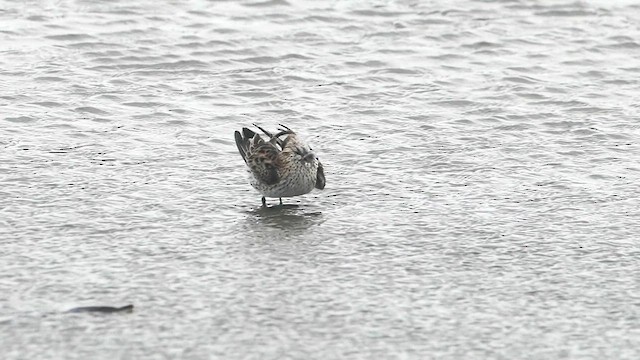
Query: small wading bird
x=279, y=167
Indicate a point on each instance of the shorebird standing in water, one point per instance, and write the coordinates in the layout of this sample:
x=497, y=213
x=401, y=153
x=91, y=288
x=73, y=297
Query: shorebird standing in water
x=279, y=167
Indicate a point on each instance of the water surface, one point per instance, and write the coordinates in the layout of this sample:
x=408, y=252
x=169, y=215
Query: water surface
x=482, y=180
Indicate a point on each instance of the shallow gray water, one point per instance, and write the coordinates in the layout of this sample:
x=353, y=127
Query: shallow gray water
x=482, y=180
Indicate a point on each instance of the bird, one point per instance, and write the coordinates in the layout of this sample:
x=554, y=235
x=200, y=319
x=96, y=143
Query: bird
x=279, y=167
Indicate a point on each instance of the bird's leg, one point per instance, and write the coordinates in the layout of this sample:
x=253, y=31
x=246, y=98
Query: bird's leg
x=264, y=201
x=280, y=201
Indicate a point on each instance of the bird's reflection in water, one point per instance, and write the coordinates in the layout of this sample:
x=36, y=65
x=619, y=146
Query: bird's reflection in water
x=287, y=217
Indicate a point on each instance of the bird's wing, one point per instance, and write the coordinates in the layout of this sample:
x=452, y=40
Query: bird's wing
x=263, y=160
x=243, y=142
x=263, y=157
x=320, y=180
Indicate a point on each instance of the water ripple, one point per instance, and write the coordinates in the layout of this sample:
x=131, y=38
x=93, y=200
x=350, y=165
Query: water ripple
x=481, y=170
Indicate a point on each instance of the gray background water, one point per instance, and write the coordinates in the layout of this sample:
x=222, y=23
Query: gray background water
x=482, y=180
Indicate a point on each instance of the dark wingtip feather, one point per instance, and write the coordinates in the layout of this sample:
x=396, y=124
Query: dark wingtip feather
x=286, y=128
x=242, y=145
x=263, y=130
x=248, y=134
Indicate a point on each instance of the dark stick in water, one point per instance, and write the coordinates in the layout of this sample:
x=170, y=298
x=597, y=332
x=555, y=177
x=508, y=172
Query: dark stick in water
x=102, y=309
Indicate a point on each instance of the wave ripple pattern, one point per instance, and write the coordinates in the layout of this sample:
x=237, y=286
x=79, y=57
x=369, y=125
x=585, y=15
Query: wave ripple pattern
x=482, y=165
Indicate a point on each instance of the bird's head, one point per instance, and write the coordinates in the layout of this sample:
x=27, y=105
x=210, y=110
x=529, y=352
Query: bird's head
x=304, y=154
